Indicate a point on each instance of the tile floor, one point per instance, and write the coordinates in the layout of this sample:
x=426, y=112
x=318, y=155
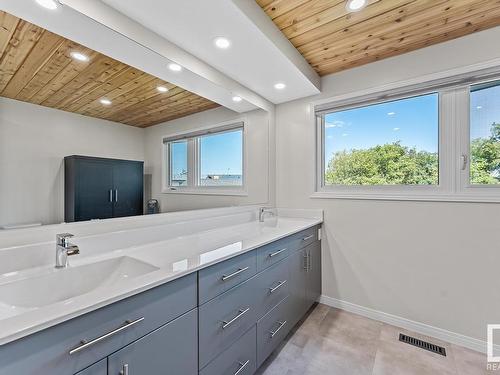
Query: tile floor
x=334, y=342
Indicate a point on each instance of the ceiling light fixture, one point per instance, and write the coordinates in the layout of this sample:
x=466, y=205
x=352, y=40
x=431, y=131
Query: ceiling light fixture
x=279, y=86
x=162, y=89
x=105, y=101
x=355, y=5
x=174, y=67
x=79, y=56
x=237, y=99
x=49, y=4
x=222, y=43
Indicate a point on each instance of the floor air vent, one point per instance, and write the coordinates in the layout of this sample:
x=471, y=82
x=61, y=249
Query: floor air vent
x=422, y=344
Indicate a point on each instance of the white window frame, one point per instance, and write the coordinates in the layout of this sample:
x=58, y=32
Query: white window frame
x=454, y=140
x=193, y=161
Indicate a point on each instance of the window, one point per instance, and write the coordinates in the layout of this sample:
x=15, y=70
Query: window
x=178, y=163
x=485, y=134
x=390, y=143
x=221, y=157
x=436, y=140
x=206, y=161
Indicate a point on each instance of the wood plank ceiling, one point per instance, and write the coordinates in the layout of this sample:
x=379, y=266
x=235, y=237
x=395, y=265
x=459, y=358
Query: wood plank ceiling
x=332, y=39
x=36, y=67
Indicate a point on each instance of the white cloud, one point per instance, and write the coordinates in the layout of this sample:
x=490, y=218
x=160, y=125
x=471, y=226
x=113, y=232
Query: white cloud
x=335, y=124
x=395, y=129
x=344, y=134
x=391, y=113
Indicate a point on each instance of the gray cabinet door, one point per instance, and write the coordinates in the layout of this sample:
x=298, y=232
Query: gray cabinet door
x=99, y=368
x=298, y=281
x=313, y=285
x=171, y=349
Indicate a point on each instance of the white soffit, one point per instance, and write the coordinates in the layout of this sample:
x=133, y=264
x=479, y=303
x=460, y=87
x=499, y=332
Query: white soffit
x=85, y=22
x=259, y=55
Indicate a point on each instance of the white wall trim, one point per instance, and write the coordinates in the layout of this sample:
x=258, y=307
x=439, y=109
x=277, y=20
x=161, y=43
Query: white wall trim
x=424, y=329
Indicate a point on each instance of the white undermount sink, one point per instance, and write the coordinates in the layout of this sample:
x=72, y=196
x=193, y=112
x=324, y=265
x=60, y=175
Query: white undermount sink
x=63, y=284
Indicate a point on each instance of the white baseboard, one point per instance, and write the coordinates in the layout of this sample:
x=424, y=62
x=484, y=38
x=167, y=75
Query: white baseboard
x=424, y=329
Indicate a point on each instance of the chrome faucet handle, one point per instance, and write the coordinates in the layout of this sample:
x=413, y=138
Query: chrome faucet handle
x=62, y=238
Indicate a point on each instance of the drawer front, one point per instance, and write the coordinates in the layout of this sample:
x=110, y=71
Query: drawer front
x=224, y=319
x=171, y=349
x=221, y=277
x=240, y=358
x=99, y=368
x=273, y=287
x=116, y=325
x=275, y=251
x=271, y=330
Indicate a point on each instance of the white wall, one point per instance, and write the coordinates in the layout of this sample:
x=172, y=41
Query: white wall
x=257, y=148
x=33, y=142
x=431, y=262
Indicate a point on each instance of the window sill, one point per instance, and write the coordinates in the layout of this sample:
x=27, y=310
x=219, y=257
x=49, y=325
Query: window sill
x=406, y=197
x=214, y=191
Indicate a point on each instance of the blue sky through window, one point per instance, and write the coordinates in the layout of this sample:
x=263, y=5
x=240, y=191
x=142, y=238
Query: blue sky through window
x=412, y=121
x=485, y=110
x=222, y=153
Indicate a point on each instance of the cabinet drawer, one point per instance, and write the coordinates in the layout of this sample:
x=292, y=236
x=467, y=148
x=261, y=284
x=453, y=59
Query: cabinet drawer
x=271, y=330
x=48, y=351
x=239, y=359
x=171, y=349
x=273, y=287
x=275, y=251
x=220, y=277
x=225, y=318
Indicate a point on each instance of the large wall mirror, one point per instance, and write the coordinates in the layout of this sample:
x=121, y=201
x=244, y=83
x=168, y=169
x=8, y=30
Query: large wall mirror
x=85, y=135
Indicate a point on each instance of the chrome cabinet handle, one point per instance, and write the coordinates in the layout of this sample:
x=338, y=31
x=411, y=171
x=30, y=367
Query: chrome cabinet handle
x=276, y=253
x=273, y=333
x=226, y=324
x=116, y=195
x=111, y=195
x=306, y=263
x=85, y=344
x=308, y=237
x=280, y=284
x=240, y=270
x=124, y=370
x=242, y=366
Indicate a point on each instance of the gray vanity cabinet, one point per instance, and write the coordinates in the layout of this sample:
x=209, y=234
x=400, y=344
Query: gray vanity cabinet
x=313, y=272
x=171, y=349
x=99, y=368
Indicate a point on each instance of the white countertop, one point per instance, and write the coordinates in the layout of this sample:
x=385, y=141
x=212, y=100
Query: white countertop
x=187, y=247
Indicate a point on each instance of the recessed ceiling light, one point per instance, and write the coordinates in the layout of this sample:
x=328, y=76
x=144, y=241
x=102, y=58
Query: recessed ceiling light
x=237, y=99
x=279, y=86
x=49, y=4
x=222, y=43
x=79, y=56
x=355, y=5
x=174, y=67
x=105, y=101
x=162, y=89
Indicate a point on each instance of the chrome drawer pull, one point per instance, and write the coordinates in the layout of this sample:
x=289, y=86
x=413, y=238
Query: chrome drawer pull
x=273, y=333
x=242, y=366
x=276, y=253
x=308, y=237
x=306, y=262
x=280, y=284
x=84, y=344
x=240, y=270
x=226, y=324
x=124, y=370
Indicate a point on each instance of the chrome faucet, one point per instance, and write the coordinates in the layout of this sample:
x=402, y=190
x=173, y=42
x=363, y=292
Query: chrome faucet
x=64, y=249
x=263, y=211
